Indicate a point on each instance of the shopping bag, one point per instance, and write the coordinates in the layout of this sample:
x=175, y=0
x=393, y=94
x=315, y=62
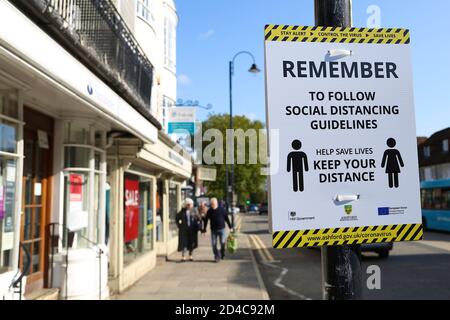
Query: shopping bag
x=232, y=244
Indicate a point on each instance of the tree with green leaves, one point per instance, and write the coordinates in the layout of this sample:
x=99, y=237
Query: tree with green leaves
x=249, y=182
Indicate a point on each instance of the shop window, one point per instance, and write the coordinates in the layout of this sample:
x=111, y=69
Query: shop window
x=138, y=216
x=76, y=194
x=77, y=157
x=8, y=136
x=174, y=206
x=84, y=185
x=8, y=169
x=76, y=133
x=8, y=107
x=9, y=160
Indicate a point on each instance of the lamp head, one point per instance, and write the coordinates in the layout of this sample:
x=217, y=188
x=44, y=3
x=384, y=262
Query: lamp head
x=254, y=69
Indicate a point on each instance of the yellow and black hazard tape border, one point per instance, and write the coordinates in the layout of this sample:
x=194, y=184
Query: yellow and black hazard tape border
x=274, y=32
x=348, y=235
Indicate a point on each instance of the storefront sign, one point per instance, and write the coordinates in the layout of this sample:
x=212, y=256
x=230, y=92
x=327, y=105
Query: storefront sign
x=181, y=119
x=131, y=210
x=175, y=157
x=342, y=103
x=206, y=174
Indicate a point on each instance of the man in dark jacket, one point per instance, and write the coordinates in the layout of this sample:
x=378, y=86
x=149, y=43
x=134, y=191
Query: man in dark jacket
x=218, y=217
x=188, y=222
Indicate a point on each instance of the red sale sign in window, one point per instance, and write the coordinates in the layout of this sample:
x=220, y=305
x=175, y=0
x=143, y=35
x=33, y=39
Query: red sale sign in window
x=76, y=188
x=131, y=209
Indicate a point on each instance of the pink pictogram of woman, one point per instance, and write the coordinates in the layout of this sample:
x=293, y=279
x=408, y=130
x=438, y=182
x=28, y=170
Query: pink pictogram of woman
x=392, y=161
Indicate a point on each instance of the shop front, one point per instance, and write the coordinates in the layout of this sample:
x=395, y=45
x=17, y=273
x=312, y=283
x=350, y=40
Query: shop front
x=26, y=159
x=145, y=196
x=88, y=187
x=56, y=117
x=79, y=254
x=175, y=169
x=52, y=201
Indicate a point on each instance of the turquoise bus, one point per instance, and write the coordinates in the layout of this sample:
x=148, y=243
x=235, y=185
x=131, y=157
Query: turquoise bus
x=435, y=196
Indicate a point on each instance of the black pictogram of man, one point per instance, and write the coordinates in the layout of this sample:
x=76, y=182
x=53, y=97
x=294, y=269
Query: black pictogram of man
x=297, y=162
x=392, y=160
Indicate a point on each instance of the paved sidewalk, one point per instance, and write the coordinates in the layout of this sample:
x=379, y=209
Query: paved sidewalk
x=235, y=278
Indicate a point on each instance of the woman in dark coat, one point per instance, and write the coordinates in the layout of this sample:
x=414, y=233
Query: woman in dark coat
x=188, y=222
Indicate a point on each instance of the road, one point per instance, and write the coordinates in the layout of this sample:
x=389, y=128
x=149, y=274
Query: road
x=415, y=270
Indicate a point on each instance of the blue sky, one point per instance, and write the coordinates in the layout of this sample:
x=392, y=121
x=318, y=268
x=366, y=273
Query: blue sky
x=210, y=32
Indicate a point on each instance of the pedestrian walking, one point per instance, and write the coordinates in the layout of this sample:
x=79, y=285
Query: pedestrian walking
x=202, y=210
x=218, y=217
x=189, y=224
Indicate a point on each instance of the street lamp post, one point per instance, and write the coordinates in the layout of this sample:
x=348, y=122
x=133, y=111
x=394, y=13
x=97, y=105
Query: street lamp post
x=341, y=265
x=230, y=180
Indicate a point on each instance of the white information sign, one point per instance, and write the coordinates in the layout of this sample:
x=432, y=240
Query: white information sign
x=206, y=174
x=340, y=114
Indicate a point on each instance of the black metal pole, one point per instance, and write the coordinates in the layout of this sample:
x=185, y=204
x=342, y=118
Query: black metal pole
x=231, y=190
x=230, y=143
x=341, y=265
x=333, y=13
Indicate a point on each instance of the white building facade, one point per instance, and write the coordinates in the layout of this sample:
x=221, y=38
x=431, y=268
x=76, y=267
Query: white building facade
x=89, y=183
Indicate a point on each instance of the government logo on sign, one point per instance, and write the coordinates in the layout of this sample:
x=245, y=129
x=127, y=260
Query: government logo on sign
x=348, y=209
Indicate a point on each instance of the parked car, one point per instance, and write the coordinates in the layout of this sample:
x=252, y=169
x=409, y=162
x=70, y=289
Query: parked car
x=264, y=208
x=383, y=249
x=253, y=208
x=242, y=208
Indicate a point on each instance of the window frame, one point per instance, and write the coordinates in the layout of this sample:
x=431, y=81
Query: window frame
x=427, y=151
x=145, y=10
x=170, y=47
x=95, y=232
x=445, y=145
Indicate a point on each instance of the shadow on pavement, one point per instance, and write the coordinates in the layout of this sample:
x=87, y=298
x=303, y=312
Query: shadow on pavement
x=255, y=232
x=172, y=260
